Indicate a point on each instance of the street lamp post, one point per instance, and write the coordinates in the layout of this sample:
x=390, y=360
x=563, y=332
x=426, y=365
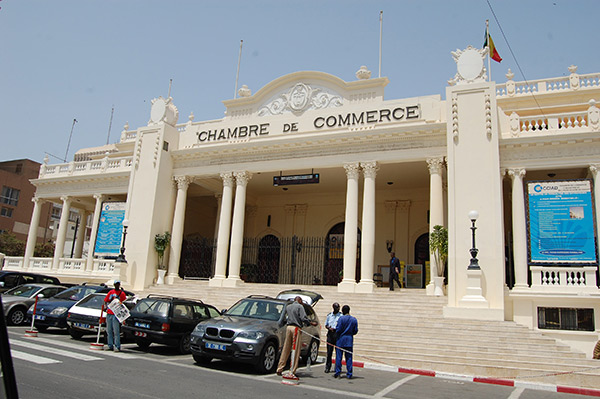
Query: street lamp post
x=121, y=257
x=474, y=265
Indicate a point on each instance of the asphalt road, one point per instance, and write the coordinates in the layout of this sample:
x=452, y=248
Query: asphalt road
x=55, y=366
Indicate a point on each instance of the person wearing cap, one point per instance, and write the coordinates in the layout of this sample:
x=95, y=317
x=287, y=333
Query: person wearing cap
x=113, y=327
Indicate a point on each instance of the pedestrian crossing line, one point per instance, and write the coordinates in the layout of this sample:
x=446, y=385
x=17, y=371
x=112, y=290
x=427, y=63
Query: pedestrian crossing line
x=54, y=351
x=32, y=358
x=70, y=345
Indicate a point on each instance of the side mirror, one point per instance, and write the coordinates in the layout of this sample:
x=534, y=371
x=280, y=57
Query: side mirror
x=1, y=284
x=40, y=296
x=223, y=311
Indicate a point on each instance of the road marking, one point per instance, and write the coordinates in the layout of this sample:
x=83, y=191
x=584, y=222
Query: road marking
x=120, y=355
x=54, y=351
x=516, y=394
x=395, y=385
x=33, y=358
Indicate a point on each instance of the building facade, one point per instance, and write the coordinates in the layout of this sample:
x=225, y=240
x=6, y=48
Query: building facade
x=314, y=180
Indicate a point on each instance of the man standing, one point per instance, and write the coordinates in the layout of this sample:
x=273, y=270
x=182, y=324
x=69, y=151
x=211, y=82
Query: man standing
x=330, y=325
x=113, y=327
x=347, y=328
x=394, y=271
x=296, y=318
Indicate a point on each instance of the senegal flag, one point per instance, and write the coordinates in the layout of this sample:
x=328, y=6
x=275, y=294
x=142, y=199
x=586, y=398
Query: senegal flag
x=493, y=52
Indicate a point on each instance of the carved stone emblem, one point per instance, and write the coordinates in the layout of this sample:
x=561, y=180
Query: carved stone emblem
x=299, y=98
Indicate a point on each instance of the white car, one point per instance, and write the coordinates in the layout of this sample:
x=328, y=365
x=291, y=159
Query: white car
x=83, y=317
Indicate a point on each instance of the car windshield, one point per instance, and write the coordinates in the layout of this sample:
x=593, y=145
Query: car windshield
x=23, y=290
x=75, y=293
x=157, y=307
x=92, y=302
x=257, y=309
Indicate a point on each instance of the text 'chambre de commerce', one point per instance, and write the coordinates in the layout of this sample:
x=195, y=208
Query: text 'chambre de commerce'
x=349, y=119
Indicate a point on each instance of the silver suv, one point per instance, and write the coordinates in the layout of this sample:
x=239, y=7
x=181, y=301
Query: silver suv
x=253, y=331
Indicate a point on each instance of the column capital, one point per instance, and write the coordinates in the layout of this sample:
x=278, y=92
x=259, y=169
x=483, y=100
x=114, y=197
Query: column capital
x=227, y=179
x=390, y=206
x=38, y=200
x=435, y=165
x=516, y=173
x=242, y=178
x=301, y=209
x=352, y=170
x=98, y=197
x=369, y=169
x=290, y=209
x=594, y=168
x=183, y=182
x=66, y=199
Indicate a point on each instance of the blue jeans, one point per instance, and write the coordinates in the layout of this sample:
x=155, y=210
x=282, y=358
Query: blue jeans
x=113, y=329
x=338, y=361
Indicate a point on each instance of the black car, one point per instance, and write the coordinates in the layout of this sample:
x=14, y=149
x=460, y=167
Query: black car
x=52, y=312
x=10, y=279
x=166, y=320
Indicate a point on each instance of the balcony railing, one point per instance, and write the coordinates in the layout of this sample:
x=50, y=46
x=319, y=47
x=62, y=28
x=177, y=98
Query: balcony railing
x=100, y=166
x=564, y=279
x=73, y=267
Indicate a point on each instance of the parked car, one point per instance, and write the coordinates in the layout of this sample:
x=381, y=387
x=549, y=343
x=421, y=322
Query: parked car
x=253, y=331
x=16, y=301
x=52, y=312
x=166, y=320
x=10, y=279
x=83, y=317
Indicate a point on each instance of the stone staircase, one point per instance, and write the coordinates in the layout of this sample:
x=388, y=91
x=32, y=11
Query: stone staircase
x=406, y=328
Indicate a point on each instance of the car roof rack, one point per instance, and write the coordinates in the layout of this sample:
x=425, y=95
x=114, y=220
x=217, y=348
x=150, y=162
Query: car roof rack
x=174, y=297
x=262, y=297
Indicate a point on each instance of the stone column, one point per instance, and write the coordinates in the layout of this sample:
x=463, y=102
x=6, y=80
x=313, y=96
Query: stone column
x=92, y=245
x=81, y=234
x=300, y=220
x=33, y=229
x=218, y=197
x=367, y=258
x=224, y=231
x=237, y=229
x=348, y=283
x=183, y=182
x=595, y=169
x=62, y=231
x=436, y=214
x=519, y=228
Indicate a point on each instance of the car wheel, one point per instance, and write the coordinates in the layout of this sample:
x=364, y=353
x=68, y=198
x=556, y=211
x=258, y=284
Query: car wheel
x=75, y=334
x=143, y=343
x=312, y=353
x=16, y=316
x=268, y=359
x=184, y=344
x=202, y=359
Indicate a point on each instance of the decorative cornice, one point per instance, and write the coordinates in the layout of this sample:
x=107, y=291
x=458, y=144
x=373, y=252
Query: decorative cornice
x=300, y=98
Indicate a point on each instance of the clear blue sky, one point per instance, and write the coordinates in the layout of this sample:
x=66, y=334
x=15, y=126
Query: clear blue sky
x=67, y=59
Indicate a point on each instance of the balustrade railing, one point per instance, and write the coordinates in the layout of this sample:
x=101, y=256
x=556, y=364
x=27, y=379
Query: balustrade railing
x=86, y=167
x=564, y=279
x=572, y=82
x=74, y=267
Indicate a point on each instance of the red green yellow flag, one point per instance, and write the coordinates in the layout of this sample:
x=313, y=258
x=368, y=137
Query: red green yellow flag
x=492, y=48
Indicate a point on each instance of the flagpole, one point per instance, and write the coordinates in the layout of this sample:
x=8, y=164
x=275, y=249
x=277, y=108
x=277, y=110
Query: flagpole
x=487, y=40
x=380, y=38
x=237, y=75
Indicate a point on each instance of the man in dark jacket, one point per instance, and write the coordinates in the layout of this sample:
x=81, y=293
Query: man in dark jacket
x=394, y=271
x=347, y=328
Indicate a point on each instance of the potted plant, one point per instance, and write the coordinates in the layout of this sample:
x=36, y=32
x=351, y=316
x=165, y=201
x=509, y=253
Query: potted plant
x=438, y=245
x=161, y=242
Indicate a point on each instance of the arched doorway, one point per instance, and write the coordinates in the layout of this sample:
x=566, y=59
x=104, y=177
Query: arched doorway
x=267, y=264
x=422, y=252
x=334, y=255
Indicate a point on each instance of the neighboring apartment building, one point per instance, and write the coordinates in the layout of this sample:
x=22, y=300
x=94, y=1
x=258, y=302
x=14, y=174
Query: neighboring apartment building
x=16, y=200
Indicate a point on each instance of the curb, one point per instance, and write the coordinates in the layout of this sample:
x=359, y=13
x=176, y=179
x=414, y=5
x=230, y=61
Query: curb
x=481, y=380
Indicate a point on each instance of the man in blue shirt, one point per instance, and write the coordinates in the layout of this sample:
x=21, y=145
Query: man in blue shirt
x=394, y=271
x=330, y=325
x=347, y=328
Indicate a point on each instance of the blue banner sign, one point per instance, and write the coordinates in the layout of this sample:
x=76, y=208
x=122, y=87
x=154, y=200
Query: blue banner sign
x=110, y=229
x=561, y=222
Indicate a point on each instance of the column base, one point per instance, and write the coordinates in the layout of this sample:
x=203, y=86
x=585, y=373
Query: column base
x=216, y=281
x=365, y=287
x=347, y=286
x=171, y=278
x=233, y=282
x=520, y=288
x=120, y=273
x=473, y=297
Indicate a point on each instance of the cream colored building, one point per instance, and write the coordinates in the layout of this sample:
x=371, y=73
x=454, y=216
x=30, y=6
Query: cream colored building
x=388, y=171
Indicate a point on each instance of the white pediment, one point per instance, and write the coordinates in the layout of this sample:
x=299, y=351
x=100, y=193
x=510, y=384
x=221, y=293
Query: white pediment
x=299, y=98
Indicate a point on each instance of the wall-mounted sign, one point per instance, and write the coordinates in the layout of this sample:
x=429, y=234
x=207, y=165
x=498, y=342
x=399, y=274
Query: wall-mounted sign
x=311, y=178
x=561, y=222
x=110, y=229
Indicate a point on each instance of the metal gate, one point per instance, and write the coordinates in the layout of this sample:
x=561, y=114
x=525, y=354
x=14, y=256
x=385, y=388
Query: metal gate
x=197, y=257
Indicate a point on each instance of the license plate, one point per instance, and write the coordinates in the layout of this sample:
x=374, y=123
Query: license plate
x=143, y=325
x=140, y=334
x=82, y=325
x=219, y=347
x=40, y=317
